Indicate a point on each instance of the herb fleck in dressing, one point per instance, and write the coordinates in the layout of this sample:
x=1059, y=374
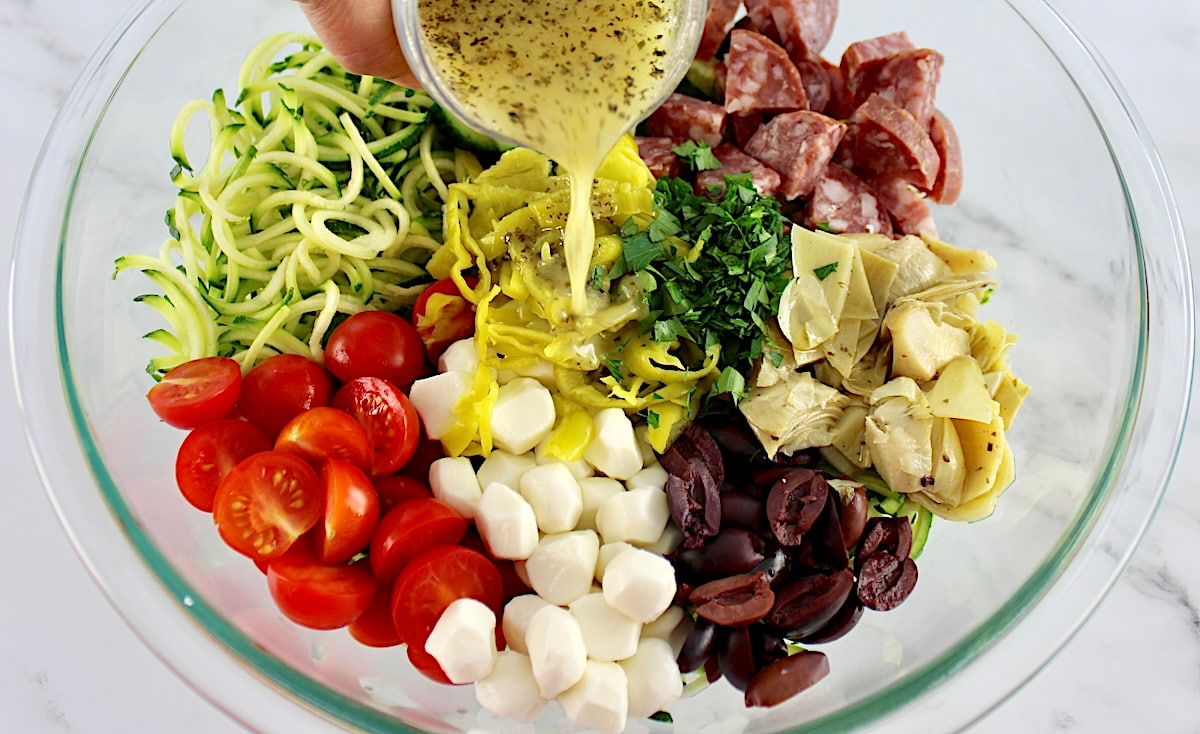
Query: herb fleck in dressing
x=564, y=77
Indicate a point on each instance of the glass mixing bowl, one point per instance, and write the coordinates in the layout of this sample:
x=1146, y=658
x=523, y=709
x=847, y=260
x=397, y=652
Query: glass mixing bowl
x=1062, y=186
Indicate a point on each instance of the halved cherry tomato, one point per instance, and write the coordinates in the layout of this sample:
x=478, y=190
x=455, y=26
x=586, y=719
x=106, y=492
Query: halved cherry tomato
x=210, y=452
x=266, y=503
x=397, y=488
x=374, y=627
x=351, y=512
x=442, y=316
x=513, y=584
x=319, y=595
x=427, y=664
x=326, y=433
x=375, y=344
x=389, y=418
x=407, y=530
x=197, y=392
x=281, y=388
x=436, y=578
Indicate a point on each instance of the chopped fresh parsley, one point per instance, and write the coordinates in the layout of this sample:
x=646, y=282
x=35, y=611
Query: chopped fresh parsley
x=652, y=419
x=825, y=271
x=987, y=296
x=730, y=381
x=698, y=156
x=663, y=716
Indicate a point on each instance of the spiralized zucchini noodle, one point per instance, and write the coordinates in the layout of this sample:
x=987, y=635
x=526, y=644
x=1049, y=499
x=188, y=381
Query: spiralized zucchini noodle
x=320, y=196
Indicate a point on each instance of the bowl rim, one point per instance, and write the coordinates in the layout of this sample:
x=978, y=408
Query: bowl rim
x=1066, y=588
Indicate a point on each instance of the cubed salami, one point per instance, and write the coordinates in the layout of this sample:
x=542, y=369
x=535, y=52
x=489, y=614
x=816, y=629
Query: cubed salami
x=799, y=146
x=841, y=101
x=740, y=128
x=733, y=161
x=910, y=79
x=908, y=208
x=816, y=83
x=721, y=14
x=802, y=27
x=888, y=140
x=760, y=77
x=948, y=185
x=842, y=202
x=862, y=59
x=659, y=155
x=681, y=116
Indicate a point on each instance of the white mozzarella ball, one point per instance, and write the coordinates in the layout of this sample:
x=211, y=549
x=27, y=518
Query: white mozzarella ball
x=642, y=432
x=562, y=566
x=556, y=650
x=517, y=613
x=668, y=542
x=639, y=583
x=600, y=700
x=505, y=468
x=579, y=468
x=661, y=627
x=594, y=491
x=452, y=479
x=506, y=522
x=653, y=678
x=461, y=356
x=522, y=416
x=464, y=641
x=636, y=516
x=553, y=492
x=608, y=551
x=607, y=633
x=652, y=476
x=434, y=398
x=511, y=690
x=614, y=449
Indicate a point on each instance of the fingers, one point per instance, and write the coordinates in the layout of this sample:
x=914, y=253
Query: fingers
x=360, y=35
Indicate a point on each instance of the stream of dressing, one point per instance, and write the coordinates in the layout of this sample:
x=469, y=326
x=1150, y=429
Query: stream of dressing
x=564, y=77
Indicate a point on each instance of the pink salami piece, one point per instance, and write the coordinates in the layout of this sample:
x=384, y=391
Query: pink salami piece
x=760, y=77
x=681, y=116
x=906, y=205
x=659, y=156
x=888, y=140
x=862, y=59
x=841, y=101
x=716, y=26
x=816, y=83
x=733, y=161
x=799, y=146
x=740, y=128
x=802, y=27
x=910, y=79
x=842, y=202
x=948, y=184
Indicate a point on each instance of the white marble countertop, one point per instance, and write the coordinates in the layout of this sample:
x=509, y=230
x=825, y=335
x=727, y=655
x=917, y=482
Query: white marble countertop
x=68, y=663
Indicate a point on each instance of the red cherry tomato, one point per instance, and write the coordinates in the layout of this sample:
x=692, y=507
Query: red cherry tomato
x=374, y=627
x=435, y=579
x=397, y=488
x=375, y=344
x=513, y=584
x=326, y=433
x=351, y=512
x=389, y=418
x=210, y=452
x=408, y=529
x=197, y=392
x=266, y=503
x=281, y=388
x=427, y=664
x=442, y=316
x=319, y=595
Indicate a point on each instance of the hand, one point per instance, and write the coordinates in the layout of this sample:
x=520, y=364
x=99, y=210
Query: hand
x=361, y=36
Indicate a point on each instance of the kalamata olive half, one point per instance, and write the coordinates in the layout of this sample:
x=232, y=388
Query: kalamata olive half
x=735, y=600
x=697, y=646
x=884, y=581
x=807, y=604
x=785, y=678
x=795, y=503
x=733, y=550
x=735, y=653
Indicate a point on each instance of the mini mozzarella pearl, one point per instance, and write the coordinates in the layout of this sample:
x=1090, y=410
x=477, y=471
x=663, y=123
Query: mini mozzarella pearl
x=461, y=356
x=453, y=481
x=515, y=621
x=636, y=516
x=642, y=433
x=653, y=678
x=607, y=633
x=434, y=398
x=464, y=641
x=511, y=690
x=505, y=468
x=562, y=566
x=556, y=650
x=506, y=522
x=553, y=493
x=522, y=416
x=652, y=476
x=608, y=551
x=614, y=449
x=594, y=491
x=600, y=700
x=668, y=542
x=579, y=468
x=639, y=583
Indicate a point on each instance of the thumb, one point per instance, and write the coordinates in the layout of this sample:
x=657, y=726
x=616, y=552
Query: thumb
x=361, y=36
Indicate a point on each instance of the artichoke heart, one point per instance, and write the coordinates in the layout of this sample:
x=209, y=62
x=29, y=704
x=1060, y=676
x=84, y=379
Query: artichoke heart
x=899, y=433
x=796, y=414
x=922, y=344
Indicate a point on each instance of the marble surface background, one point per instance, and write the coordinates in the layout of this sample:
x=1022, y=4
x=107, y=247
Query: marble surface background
x=69, y=664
